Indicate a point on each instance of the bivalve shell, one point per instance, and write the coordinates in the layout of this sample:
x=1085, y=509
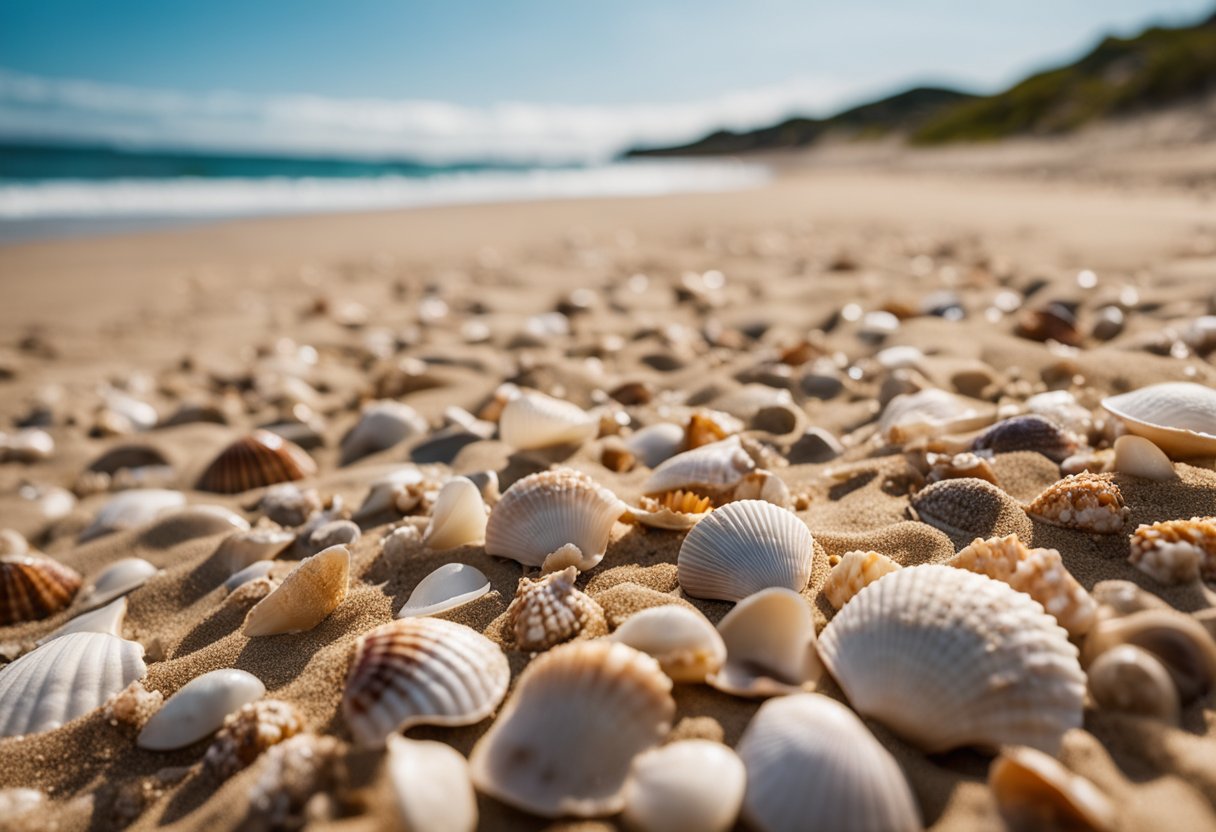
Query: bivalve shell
x=1033, y=791
x=459, y=516
x=551, y=610
x=260, y=459
x=1176, y=551
x=1139, y=457
x=108, y=619
x=1086, y=502
x=675, y=511
x=853, y=572
x=1028, y=433
x=381, y=425
x=448, y=587
x=710, y=469
x=242, y=549
x=432, y=786
x=199, y=709
x=1177, y=417
x=931, y=412
x=308, y=594
x=533, y=420
x=690, y=784
x=33, y=587
x=654, y=444
x=770, y=646
x=117, y=579
x=968, y=508
x=682, y=640
x=131, y=509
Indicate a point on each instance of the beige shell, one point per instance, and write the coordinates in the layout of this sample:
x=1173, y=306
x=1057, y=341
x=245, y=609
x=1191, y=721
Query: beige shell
x=745, y=547
x=262, y=458
x=33, y=586
x=931, y=412
x=242, y=549
x=1177, y=640
x=448, y=587
x=458, y=517
x=1086, y=502
x=553, y=519
x=853, y=572
x=1178, y=417
x=551, y=610
x=1129, y=679
x=1138, y=457
x=248, y=732
x=1176, y=551
x=812, y=764
x=382, y=424
x=675, y=510
x=533, y=420
x=308, y=594
x=108, y=619
x=968, y=508
x=117, y=579
x=682, y=640
x=199, y=708
x=685, y=785
x=710, y=469
x=959, y=466
x=763, y=485
x=1124, y=598
x=565, y=741
x=131, y=509
x=948, y=658
x=770, y=646
x=654, y=444
x=1033, y=792
x=421, y=671
x=431, y=783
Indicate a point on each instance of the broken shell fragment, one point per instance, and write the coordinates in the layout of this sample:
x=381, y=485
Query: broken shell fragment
x=260, y=459
x=1177, y=417
x=119, y=578
x=1129, y=679
x=532, y=420
x=690, y=784
x=199, y=709
x=1033, y=792
x=33, y=587
x=458, y=517
x=1139, y=457
x=448, y=587
x=308, y=594
x=931, y=412
x=1176, y=551
x=1086, y=502
x=770, y=646
x=432, y=786
x=551, y=610
x=853, y=572
x=683, y=641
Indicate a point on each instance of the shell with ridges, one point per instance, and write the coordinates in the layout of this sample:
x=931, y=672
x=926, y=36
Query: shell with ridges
x=676, y=510
x=308, y=594
x=382, y=424
x=33, y=587
x=551, y=610
x=199, y=708
x=1178, y=417
x=1028, y=433
x=448, y=587
x=1129, y=679
x=458, y=517
x=262, y=458
x=1177, y=640
x=689, y=784
x=1176, y=551
x=117, y=579
x=108, y=619
x=1086, y=502
x=854, y=571
x=968, y=508
x=709, y=469
x=683, y=641
x=1138, y=457
x=432, y=786
x=1033, y=791
x=533, y=420
x=130, y=509
x=770, y=646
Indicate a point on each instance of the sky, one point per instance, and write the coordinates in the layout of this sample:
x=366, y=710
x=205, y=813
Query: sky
x=524, y=80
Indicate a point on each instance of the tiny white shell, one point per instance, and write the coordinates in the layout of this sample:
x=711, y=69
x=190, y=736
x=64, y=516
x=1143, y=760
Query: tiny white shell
x=382, y=425
x=1177, y=417
x=177, y=525
x=432, y=786
x=130, y=509
x=119, y=578
x=458, y=518
x=1139, y=457
x=198, y=709
x=108, y=619
x=770, y=646
x=686, y=785
x=716, y=467
x=308, y=594
x=654, y=444
x=448, y=587
x=533, y=420
x=684, y=642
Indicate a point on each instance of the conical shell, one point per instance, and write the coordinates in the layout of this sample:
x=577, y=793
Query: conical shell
x=382, y=425
x=931, y=412
x=1028, y=433
x=1176, y=551
x=255, y=461
x=684, y=642
x=432, y=786
x=565, y=740
x=458, y=518
x=1033, y=791
x=421, y=671
x=108, y=619
x=534, y=420
x=33, y=587
x=685, y=785
x=308, y=594
x=1086, y=502
x=1132, y=680
x=551, y=610
x=1139, y=457
x=131, y=509
x=812, y=764
x=853, y=572
x=542, y=513
x=709, y=469
x=64, y=679
x=448, y=587
x=1177, y=417
x=199, y=709
x=119, y=578
x=969, y=508
x=948, y=658
x=1177, y=640
x=745, y=547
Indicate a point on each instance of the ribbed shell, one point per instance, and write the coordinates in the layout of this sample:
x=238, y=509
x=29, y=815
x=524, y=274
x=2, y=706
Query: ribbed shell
x=948, y=658
x=458, y=517
x=1086, y=502
x=308, y=594
x=968, y=508
x=421, y=671
x=812, y=764
x=578, y=716
x=853, y=573
x=712, y=468
x=199, y=708
x=33, y=587
x=534, y=420
x=1178, y=417
x=64, y=679
x=255, y=461
x=551, y=610
x=1028, y=433
x=745, y=547
x=382, y=425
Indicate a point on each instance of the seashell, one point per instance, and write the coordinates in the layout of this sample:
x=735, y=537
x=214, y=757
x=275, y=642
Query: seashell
x=33, y=587
x=968, y=508
x=553, y=519
x=432, y=786
x=139, y=414
x=1177, y=417
x=1028, y=433
x=948, y=658
x=421, y=671
x=381, y=425
x=242, y=549
x=707, y=426
x=1052, y=322
x=690, y=784
x=248, y=731
x=676, y=510
x=262, y=458
x=1086, y=502
x=770, y=646
x=199, y=708
x=129, y=456
x=1139, y=457
x=12, y=542
x=931, y=412
x=709, y=469
x=687, y=647
x=64, y=679
x=745, y=547
x=1033, y=791
x=383, y=494
x=117, y=579
x=1177, y=640
x=1040, y=573
x=255, y=570
x=565, y=740
x=812, y=764
x=1061, y=407
x=551, y=610
x=308, y=594
x=333, y=533
x=448, y=587
x=108, y=619
x=133, y=706
x=763, y=485
x=18, y=806
x=130, y=509
x=655, y=444
x=289, y=505
x=179, y=525
x=458, y=517
x=53, y=503
x=27, y=446
x=533, y=420
x=959, y=466
x=1124, y=598
x=287, y=780
x=853, y=572
x=1176, y=551
x=1128, y=679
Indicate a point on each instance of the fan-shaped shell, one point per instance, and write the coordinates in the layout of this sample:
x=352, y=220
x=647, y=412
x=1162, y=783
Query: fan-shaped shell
x=684, y=643
x=132, y=508
x=930, y=412
x=565, y=740
x=533, y=420
x=64, y=679
x=770, y=646
x=448, y=587
x=812, y=764
x=260, y=459
x=709, y=469
x=562, y=510
x=381, y=425
x=551, y=610
x=949, y=658
x=745, y=547
x=685, y=785
x=1130, y=679
x=119, y=578
x=1033, y=791
x=1086, y=502
x=459, y=516
x=308, y=594
x=199, y=709
x=1028, y=433
x=33, y=587
x=968, y=508
x=432, y=786
x=1177, y=417
x=421, y=671
x=108, y=619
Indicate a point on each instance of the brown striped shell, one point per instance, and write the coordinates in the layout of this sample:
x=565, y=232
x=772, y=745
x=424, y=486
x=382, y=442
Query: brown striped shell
x=1085, y=502
x=1028, y=433
x=968, y=508
x=33, y=587
x=262, y=458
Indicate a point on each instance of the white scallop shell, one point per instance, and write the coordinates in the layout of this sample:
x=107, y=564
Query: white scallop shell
x=448, y=587
x=109, y=619
x=690, y=784
x=533, y=420
x=458, y=517
x=745, y=547
x=238, y=551
x=64, y=679
x=1139, y=457
x=770, y=646
x=684, y=643
x=198, y=709
x=930, y=412
x=432, y=786
x=716, y=467
x=119, y=578
x=656, y=443
x=308, y=594
x=565, y=740
x=381, y=425
x=132, y=508
x=812, y=764
x=946, y=658
x=1178, y=417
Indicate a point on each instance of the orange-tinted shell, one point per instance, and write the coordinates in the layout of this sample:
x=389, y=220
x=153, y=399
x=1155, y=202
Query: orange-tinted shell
x=262, y=458
x=33, y=587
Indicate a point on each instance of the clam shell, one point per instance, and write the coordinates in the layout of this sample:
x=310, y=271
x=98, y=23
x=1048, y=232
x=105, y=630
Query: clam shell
x=308, y=594
x=654, y=444
x=552, y=511
x=1129, y=679
x=199, y=709
x=448, y=587
x=421, y=671
x=1086, y=502
x=1061, y=407
x=1033, y=791
x=239, y=550
x=33, y=587
x=255, y=570
x=1176, y=551
x=458, y=518
x=714, y=468
x=64, y=679
x=949, y=658
x=130, y=509
x=1027, y=433
x=1139, y=457
x=551, y=610
x=1177, y=640
x=1177, y=417
x=108, y=619
x=381, y=425
x=119, y=578
x=931, y=412
x=745, y=547
x=533, y=420
x=684, y=643
x=770, y=646
x=260, y=459
x=690, y=784
x=853, y=573
x=812, y=764
x=565, y=740
x=968, y=508
x=431, y=783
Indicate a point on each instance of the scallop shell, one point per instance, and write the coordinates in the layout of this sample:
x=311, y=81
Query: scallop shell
x=130, y=509
x=432, y=786
x=1177, y=640
x=199, y=709
x=931, y=412
x=1178, y=417
x=565, y=740
x=770, y=646
x=1129, y=679
x=262, y=458
x=1028, y=433
x=308, y=594
x=812, y=764
x=1139, y=457
x=710, y=469
x=948, y=658
x=676, y=510
x=458, y=518
x=551, y=610
x=108, y=619
x=119, y=578
x=249, y=731
x=33, y=587
x=685, y=785
x=552, y=519
x=1086, y=502
x=853, y=572
x=421, y=671
x=1033, y=791
x=1176, y=551
x=239, y=550
x=654, y=444
x=682, y=640
x=448, y=587
x=64, y=679
x=533, y=420
x=381, y=425
x=745, y=547
x=968, y=508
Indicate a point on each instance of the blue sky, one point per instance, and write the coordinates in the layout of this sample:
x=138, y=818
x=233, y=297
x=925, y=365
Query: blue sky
x=461, y=78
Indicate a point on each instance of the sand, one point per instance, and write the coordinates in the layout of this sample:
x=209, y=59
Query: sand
x=200, y=315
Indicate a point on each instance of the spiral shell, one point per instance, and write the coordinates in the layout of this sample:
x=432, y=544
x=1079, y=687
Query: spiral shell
x=1177, y=640
x=1034, y=791
x=308, y=594
x=770, y=646
x=381, y=425
x=1176, y=551
x=262, y=458
x=968, y=508
x=551, y=610
x=690, y=784
x=682, y=640
x=33, y=587
x=853, y=572
x=1086, y=502
x=1177, y=417
x=533, y=420
x=1028, y=433
x=710, y=469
